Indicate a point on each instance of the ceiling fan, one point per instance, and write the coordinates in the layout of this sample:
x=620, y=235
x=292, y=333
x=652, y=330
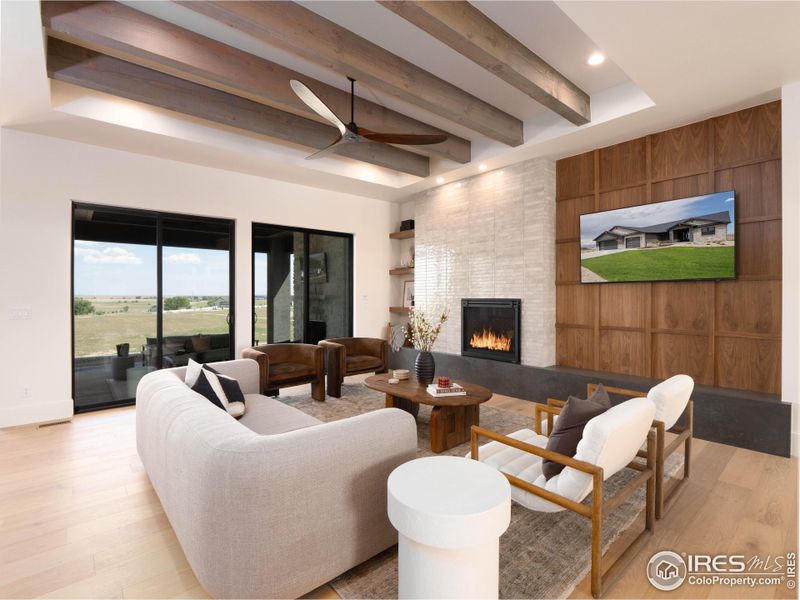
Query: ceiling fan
x=352, y=133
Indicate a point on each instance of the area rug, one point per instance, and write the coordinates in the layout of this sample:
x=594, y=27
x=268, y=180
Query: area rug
x=542, y=555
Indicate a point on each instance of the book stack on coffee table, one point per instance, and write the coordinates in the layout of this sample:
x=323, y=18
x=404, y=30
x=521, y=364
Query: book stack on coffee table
x=444, y=387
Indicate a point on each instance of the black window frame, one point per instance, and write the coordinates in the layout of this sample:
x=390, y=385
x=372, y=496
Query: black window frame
x=160, y=217
x=705, y=230
x=306, y=232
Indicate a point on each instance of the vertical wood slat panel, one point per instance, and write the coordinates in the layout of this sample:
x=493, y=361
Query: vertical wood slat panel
x=705, y=329
x=597, y=300
x=648, y=334
x=622, y=165
x=711, y=149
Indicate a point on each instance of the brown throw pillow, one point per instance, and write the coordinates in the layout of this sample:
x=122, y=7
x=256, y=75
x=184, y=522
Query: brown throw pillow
x=568, y=429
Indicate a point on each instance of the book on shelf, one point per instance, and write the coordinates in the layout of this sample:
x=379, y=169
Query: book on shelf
x=453, y=390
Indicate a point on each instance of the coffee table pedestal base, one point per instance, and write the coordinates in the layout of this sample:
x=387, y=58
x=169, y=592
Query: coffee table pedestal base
x=450, y=425
x=402, y=404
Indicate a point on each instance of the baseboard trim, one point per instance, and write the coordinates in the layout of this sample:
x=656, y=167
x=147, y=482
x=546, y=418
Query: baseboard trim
x=35, y=413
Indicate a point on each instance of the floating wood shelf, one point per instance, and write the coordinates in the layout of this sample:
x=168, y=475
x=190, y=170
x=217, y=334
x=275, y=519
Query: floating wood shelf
x=401, y=310
x=401, y=271
x=402, y=235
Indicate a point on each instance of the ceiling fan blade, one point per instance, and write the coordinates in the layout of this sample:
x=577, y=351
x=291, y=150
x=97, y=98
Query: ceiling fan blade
x=408, y=139
x=327, y=149
x=317, y=105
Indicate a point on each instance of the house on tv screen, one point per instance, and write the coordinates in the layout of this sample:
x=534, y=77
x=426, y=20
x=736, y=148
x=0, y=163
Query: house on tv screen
x=701, y=229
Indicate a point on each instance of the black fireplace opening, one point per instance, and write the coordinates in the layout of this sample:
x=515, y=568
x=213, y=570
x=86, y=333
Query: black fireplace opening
x=490, y=328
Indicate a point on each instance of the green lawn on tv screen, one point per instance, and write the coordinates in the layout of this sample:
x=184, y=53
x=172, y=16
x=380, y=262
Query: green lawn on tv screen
x=664, y=263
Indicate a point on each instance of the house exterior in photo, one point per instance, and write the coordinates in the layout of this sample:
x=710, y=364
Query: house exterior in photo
x=697, y=230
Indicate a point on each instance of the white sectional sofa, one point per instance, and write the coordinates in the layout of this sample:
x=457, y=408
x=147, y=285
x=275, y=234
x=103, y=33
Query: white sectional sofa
x=277, y=503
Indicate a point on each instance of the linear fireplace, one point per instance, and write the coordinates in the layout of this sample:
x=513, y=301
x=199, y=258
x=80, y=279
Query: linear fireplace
x=490, y=328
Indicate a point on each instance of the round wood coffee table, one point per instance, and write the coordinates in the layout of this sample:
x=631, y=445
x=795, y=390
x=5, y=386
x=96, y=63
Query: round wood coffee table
x=451, y=416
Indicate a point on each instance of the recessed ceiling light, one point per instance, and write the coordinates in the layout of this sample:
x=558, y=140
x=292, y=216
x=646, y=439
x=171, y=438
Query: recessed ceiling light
x=482, y=167
x=458, y=184
x=500, y=172
x=596, y=59
x=440, y=180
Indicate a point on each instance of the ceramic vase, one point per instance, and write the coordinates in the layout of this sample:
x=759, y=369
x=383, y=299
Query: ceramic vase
x=424, y=367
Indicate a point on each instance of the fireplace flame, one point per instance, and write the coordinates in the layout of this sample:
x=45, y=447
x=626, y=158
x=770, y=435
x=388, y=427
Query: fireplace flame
x=490, y=340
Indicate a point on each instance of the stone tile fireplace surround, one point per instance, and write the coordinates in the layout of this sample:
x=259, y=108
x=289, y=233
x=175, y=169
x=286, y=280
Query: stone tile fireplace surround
x=490, y=236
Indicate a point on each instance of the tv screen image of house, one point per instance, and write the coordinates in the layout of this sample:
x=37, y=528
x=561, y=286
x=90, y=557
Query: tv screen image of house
x=678, y=240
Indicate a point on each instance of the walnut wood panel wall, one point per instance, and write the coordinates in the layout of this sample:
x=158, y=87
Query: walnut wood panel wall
x=725, y=334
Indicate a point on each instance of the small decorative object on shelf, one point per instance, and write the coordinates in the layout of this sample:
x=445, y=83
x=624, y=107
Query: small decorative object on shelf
x=423, y=333
x=408, y=294
x=443, y=381
x=407, y=225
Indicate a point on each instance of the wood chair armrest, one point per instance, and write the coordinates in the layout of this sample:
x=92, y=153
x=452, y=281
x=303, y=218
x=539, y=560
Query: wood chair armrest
x=556, y=403
x=591, y=387
x=562, y=459
x=551, y=411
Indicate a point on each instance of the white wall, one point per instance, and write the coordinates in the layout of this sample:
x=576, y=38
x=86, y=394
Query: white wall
x=790, y=344
x=491, y=236
x=41, y=176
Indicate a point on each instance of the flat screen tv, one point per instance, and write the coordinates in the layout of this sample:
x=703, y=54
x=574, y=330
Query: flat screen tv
x=679, y=240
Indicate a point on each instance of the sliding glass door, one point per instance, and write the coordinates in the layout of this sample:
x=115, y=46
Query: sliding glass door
x=302, y=284
x=150, y=290
x=197, y=288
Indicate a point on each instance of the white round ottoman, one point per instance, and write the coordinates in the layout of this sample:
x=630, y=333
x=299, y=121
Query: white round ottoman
x=450, y=513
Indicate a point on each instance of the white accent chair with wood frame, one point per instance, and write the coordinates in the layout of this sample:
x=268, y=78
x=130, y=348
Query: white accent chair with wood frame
x=672, y=399
x=609, y=444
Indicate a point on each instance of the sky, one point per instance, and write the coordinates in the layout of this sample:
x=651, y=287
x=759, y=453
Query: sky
x=594, y=224
x=110, y=269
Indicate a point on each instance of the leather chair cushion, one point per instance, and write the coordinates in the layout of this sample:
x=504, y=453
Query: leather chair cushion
x=288, y=371
x=361, y=362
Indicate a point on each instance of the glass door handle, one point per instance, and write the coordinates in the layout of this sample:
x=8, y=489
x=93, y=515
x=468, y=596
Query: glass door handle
x=255, y=317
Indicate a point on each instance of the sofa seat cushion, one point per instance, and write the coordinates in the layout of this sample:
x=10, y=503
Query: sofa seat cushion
x=267, y=416
x=288, y=371
x=362, y=362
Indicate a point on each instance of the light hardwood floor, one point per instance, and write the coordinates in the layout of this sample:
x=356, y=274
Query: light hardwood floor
x=79, y=519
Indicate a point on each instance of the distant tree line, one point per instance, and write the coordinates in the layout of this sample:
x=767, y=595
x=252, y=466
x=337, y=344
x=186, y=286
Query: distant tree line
x=176, y=303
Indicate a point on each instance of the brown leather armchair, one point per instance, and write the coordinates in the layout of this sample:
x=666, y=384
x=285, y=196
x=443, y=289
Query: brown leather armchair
x=350, y=356
x=285, y=365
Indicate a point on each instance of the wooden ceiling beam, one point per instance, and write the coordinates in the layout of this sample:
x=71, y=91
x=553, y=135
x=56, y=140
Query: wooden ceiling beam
x=116, y=30
x=296, y=29
x=88, y=68
x=471, y=33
